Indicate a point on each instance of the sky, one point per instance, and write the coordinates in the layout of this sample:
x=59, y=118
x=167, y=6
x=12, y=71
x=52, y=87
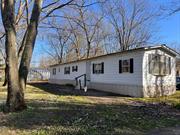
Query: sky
x=167, y=32
x=169, y=26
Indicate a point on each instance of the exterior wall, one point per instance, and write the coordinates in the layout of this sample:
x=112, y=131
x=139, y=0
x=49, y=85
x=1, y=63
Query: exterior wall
x=62, y=81
x=129, y=90
x=61, y=78
x=137, y=84
x=113, y=81
x=158, y=85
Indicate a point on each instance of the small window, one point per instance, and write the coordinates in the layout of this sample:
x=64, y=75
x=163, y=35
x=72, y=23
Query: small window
x=159, y=64
x=67, y=70
x=54, y=71
x=74, y=68
x=59, y=69
x=98, y=68
x=126, y=66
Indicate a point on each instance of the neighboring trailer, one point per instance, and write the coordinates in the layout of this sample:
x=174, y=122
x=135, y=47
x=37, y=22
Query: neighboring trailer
x=141, y=72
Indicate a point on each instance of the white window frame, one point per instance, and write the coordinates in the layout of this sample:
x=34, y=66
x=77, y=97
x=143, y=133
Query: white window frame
x=124, y=66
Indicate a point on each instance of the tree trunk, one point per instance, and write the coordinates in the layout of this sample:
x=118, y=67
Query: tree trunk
x=6, y=76
x=15, y=96
x=88, y=48
x=29, y=43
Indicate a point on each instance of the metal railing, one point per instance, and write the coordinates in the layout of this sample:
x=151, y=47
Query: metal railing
x=83, y=75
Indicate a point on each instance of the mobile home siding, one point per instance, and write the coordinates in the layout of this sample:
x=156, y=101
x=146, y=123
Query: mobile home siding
x=111, y=70
x=158, y=85
x=113, y=81
x=109, y=76
x=61, y=78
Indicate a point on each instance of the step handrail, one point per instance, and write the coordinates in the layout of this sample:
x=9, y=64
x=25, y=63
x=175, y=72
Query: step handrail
x=83, y=75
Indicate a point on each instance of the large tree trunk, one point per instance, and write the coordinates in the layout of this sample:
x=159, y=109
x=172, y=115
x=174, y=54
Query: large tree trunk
x=29, y=43
x=15, y=96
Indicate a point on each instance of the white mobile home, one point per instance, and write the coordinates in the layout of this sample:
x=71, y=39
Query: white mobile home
x=140, y=72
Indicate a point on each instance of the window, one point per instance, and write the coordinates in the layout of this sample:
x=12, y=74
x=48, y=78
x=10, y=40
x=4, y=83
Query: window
x=74, y=68
x=54, y=71
x=59, y=69
x=98, y=68
x=159, y=64
x=126, y=66
x=67, y=70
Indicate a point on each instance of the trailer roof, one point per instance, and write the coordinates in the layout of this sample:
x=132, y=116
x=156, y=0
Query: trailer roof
x=161, y=47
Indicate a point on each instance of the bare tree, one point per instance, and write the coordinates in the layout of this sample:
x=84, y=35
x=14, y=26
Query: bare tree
x=17, y=76
x=130, y=20
x=86, y=22
x=58, y=43
x=45, y=62
x=171, y=7
x=82, y=26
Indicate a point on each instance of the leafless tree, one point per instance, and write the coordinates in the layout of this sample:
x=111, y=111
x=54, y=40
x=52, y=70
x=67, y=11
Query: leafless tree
x=84, y=29
x=130, y=20
x=46, y=61
x=59, y=44
x=171, y=7
x=86, y=22
x=17, y=75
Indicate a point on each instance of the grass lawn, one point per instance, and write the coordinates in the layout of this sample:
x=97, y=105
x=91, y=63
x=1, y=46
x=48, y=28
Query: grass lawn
x=54, y=110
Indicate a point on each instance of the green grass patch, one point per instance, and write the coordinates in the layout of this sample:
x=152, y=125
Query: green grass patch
x=52, y=110
x=174, y=99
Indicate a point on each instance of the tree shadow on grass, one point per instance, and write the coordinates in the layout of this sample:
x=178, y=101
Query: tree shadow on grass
x=52, y=117
x=69, y=90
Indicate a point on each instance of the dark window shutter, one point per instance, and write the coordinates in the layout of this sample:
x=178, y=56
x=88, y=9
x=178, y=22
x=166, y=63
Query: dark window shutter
x=102, y=70
x=120, y=66
x=131, y=65
x=93, y=68
x=169, y=61
x=150, y=63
